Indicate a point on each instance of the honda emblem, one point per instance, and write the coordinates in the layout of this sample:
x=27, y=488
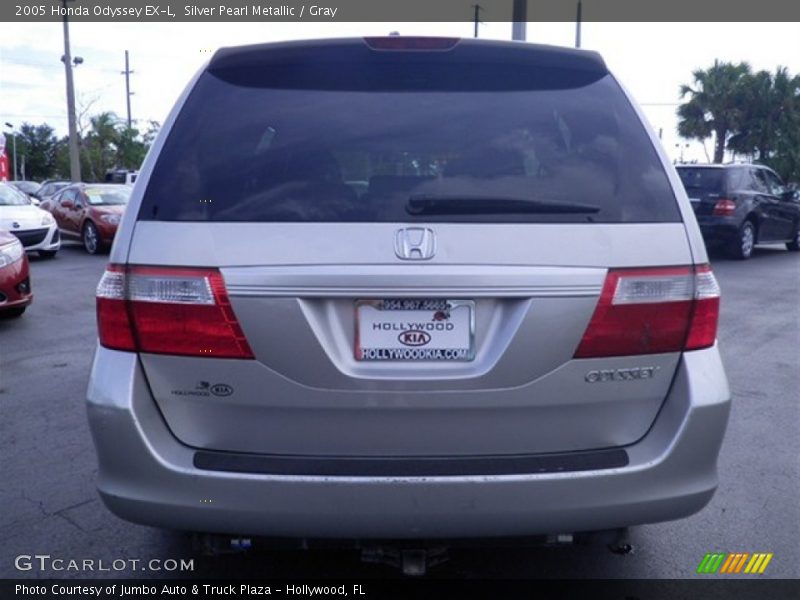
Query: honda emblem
x=415, y=243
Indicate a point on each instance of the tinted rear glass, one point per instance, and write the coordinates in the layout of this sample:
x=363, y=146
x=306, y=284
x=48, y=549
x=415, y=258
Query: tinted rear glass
x=700, y=180
x=244, y=148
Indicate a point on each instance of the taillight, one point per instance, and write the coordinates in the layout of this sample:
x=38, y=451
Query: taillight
x=181, y=311
x=703, y=328
x=397, y=42
x=724, y=208
x=650, y=311
x=113, y=323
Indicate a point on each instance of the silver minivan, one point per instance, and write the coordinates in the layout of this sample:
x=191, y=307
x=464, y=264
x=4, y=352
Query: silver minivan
x=407, y=288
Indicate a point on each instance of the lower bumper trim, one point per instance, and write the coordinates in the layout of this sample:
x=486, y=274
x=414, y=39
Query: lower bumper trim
x=410, y=467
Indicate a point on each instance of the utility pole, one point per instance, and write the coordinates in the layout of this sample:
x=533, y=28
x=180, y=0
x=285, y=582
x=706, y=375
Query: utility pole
x=520, y=17
x=478, y=8
x=578, y=25
x=14, y=146
x=74, y=156
x=127, y=72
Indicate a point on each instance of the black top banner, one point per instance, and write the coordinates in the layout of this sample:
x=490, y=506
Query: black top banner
x=397, y=10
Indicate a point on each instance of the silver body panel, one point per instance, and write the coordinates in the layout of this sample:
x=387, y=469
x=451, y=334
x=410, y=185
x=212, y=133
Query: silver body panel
x=296, y=303
x=147, y=476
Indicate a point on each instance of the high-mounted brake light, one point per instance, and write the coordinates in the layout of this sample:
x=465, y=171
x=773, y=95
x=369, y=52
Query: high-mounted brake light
x=180, y=311
x=724, y=208
x=650, y=311
x=397, y=42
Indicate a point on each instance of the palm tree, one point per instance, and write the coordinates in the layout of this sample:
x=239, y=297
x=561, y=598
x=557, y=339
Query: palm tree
x=715, y=105
x=756, y=131
x=770, y=111
x=770, y=125
x=100, y=144
x=786, y=104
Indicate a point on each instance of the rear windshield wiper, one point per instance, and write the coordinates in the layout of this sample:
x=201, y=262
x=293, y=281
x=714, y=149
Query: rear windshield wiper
x=427, y=204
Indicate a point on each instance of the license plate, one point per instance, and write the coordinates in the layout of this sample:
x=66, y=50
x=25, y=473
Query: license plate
x=415, y=330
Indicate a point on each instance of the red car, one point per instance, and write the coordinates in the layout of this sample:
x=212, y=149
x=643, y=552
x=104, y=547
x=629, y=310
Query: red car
x=15, y=283
x=90, y=213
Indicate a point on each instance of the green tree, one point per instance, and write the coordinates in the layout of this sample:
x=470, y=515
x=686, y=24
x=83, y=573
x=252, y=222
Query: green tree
x=61, y=167
x=130, y=149
x=770, y=126
x=104, y=141
x=715, y=104
x=770, y=102
x=100, y=145
x=37, y=144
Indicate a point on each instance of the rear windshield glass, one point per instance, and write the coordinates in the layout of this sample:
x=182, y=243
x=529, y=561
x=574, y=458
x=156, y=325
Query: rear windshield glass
x=571, y=152
x=699, y=180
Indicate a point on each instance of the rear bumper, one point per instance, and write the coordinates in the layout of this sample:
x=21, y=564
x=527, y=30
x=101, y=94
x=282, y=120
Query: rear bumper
x=721, y=230
x=147, y=476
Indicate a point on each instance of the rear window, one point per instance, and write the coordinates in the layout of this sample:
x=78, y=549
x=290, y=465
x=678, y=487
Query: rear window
x=699, y=180
x=246, y=147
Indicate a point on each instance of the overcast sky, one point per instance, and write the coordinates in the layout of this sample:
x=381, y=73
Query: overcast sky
x=651, y=59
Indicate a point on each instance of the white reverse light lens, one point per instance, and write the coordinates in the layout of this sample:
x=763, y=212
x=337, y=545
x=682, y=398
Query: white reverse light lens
x=171, y=290
x=707, y=286
x=644, y=290
x=112, y=286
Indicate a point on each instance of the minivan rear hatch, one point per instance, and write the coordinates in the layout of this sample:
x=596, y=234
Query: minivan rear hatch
x=413, y=243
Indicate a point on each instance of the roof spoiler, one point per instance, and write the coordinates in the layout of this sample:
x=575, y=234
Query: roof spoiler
x=343, y=50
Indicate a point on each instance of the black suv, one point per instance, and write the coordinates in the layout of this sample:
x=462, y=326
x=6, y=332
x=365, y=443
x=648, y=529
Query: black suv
x=739, y=206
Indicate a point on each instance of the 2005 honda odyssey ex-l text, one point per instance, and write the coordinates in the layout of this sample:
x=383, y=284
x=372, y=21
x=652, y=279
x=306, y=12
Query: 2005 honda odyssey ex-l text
x=407, y=288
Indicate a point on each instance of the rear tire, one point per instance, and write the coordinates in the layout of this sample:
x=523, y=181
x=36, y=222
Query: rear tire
x=48, y=253
x=91, y=238
x=742, y=248
x=794, y=245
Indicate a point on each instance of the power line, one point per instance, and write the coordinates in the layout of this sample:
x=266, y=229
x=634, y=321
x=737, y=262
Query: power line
x=25, y=63
x=35, y=115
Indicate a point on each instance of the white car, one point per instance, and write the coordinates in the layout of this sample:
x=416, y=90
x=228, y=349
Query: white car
x=34, y=227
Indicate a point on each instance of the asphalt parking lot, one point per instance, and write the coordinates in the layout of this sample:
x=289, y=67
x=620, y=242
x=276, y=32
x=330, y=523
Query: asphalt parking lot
x=48, y=465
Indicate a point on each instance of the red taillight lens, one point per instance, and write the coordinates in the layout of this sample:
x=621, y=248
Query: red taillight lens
x=724, y=208
x=168, y=311
x=397, y=42
x=703, y=328
x=650, y=311
x=113, y=322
